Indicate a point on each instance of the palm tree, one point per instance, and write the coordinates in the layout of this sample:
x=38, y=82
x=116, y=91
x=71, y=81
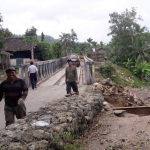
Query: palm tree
x=64, y=40
x=141, y=50
x=89, y=40
x=73, y=38
x=94, y=44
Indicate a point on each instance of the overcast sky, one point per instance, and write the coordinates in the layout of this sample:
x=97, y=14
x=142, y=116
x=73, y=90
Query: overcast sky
x=89, y=18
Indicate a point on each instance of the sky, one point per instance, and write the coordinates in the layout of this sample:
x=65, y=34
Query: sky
x=88, y=18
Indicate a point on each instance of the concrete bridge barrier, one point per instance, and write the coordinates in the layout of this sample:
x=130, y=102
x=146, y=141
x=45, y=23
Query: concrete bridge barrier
x=45, y=69
x=89, y=70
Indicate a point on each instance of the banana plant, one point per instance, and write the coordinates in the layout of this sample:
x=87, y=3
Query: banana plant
x=142, y=70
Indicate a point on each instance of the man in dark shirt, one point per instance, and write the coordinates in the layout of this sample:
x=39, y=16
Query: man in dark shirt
x=71, y=78
x=15, y=91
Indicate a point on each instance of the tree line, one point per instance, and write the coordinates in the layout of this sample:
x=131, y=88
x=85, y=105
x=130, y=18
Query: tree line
x=48, y=47
x=130, y=43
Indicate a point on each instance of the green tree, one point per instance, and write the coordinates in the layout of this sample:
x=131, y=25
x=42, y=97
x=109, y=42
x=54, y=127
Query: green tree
x=31, y=32
x=80, y=48
x=1, y=19
x=45, y=50
x=65, y=41
x=101, y=44
x=141, y=49
x=56, y=48
x=73, y=38
x=94, y=44
x=42, y=36
x=124, y=29
x=7, y=33
x=4, y=33
x=89, y=40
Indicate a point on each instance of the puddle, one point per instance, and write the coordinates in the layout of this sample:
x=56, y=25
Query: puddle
x=140, y=110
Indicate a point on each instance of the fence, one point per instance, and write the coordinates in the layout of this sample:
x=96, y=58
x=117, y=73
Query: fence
x=89, y=70
x=45, y=69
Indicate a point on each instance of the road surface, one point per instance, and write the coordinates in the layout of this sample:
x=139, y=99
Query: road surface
x=48, y=91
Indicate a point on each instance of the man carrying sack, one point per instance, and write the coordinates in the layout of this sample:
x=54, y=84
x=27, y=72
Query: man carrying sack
x=15, y=91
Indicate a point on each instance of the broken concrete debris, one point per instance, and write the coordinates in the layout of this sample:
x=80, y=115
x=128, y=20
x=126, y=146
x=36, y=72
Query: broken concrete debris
x=119, y=113
x=117, y=95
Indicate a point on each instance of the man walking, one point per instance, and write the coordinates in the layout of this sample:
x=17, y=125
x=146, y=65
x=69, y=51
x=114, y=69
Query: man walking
x=71, y=78
x=15, y=91
x=32, y=73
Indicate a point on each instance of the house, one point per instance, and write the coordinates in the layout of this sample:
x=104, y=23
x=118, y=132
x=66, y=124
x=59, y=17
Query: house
x=21, y=50
x=98, y=55
x=4, y=59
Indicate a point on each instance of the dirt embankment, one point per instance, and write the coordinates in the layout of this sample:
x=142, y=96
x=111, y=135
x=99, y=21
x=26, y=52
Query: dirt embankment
x=110, y=132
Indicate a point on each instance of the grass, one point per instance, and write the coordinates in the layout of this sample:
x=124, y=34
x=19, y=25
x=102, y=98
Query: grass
x=119, y=75
x=66, y=141
x=126, y=78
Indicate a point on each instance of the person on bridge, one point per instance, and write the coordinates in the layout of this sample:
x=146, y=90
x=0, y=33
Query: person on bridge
x=71, y=78
x=15, y=91
x=33, y=73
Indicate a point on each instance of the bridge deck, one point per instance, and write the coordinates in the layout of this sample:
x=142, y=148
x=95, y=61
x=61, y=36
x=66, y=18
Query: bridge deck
x=45, y=92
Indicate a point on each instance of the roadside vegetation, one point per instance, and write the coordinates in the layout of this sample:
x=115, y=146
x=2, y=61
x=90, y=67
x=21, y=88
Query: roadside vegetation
x=129, y=46
x=119, y=75
x=130, y=43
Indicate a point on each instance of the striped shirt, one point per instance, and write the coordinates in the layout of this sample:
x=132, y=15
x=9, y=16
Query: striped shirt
x=13, y=92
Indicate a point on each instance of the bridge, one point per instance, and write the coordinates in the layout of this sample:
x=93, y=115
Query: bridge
x=51, y=82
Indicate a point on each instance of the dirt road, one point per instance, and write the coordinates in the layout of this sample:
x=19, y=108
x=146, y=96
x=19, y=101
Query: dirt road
x=129, y=132
x=46, y=92
x=110, y=132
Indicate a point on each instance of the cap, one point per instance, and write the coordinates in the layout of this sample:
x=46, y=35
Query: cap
x=69, y=60
x=10, y=69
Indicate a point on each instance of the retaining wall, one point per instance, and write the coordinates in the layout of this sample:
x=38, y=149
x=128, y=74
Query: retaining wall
x=67, y=115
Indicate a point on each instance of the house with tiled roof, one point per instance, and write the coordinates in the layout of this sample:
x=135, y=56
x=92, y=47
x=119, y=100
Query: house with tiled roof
x=20, y=49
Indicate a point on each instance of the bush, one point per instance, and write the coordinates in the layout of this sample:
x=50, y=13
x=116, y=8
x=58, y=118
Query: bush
x=107, y=70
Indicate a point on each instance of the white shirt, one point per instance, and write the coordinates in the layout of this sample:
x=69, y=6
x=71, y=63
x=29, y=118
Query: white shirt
x=32, y=69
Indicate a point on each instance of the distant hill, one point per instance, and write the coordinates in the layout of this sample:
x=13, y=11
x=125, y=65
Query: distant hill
x=47, y=37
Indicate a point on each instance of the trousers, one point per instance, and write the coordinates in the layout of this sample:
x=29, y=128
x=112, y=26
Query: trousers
x=11, y=111
x=72, y=85
x=33, y=79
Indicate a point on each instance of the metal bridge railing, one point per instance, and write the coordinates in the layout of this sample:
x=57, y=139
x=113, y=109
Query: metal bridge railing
x=89, y=70
x=45, y=69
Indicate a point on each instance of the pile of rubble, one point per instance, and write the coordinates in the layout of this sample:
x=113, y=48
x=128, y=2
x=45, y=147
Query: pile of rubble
x=117, y=95
x=45, y=128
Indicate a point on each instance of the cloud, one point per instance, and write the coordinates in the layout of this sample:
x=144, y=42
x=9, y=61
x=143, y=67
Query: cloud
x=88, y=18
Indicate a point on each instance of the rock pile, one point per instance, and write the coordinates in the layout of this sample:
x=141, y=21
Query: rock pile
x=117, y=95
x=44, y=129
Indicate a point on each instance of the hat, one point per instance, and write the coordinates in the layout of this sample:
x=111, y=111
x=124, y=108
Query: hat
x=69, y=60
x=10, y=69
